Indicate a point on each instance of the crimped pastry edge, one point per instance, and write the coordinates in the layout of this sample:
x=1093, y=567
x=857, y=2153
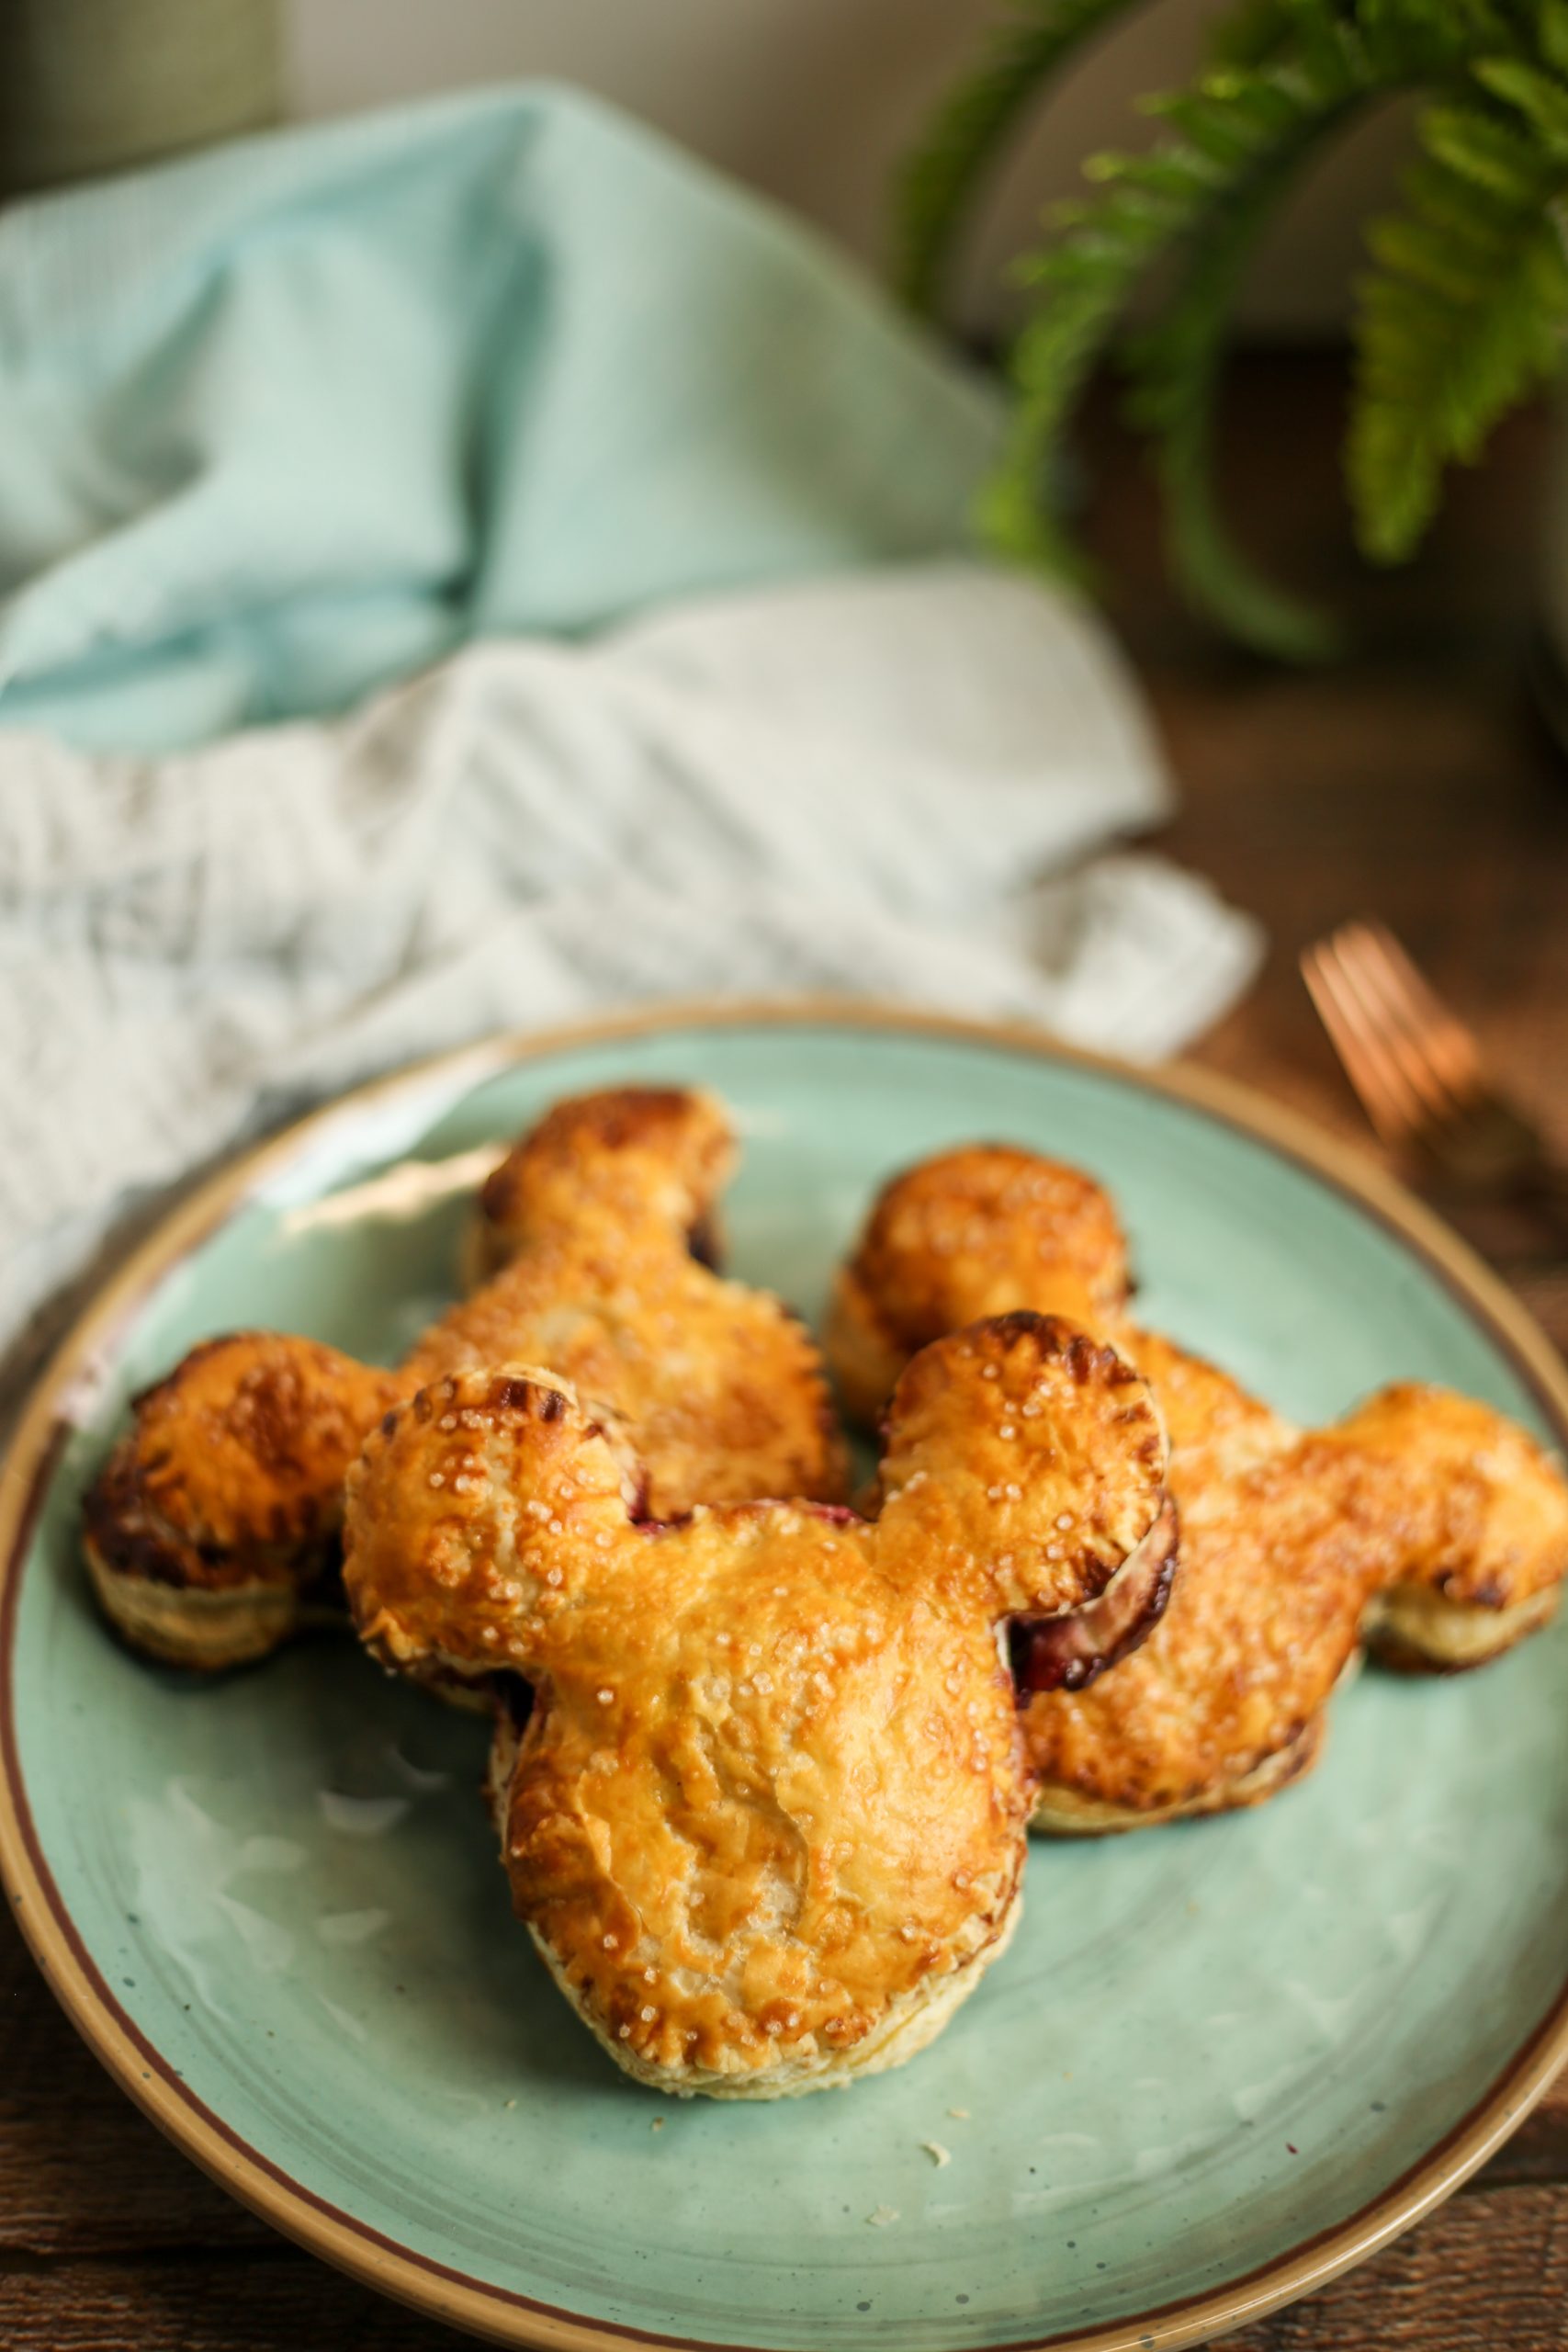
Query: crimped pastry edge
x=206, y=1627
x=1062, y=1812
x=1413, y=1630
x=908, y=2026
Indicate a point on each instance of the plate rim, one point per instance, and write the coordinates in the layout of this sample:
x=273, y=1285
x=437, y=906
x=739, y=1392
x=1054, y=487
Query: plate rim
x=350, y=2244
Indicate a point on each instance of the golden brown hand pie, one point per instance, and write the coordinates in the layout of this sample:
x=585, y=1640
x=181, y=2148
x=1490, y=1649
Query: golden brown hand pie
x=766, y=1821
x=212, y=1532
x=1424, y=1524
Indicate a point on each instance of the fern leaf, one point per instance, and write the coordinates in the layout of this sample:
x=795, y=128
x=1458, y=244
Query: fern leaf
x=1551, y=31
x=1083, y=280
x=1464, y=311
x=1489, y=153
x=967, y=139
x=1539, y=97
x=1453, y=329
x=1174, y=368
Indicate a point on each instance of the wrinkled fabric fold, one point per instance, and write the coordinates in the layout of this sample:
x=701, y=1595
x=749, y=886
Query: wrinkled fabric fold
x=287, y=421
x=908, y=783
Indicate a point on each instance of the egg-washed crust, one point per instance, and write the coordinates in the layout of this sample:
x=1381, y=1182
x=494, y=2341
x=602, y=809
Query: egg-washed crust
x=1482, y=1510
x=766, y=1819
x=664, y=1153
x=1062, y=1515
x=720, y=1387
x=212, y=1532
x=1423, y=1524
x=910, y=2021
x=1485, y=1531
x=977, y=1232
x=1263, y=1622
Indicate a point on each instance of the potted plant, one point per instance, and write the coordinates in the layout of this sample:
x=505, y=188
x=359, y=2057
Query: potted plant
x=1460, y=314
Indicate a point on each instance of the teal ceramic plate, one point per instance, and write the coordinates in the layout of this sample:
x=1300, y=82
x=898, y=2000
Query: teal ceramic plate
x=1219, y=2062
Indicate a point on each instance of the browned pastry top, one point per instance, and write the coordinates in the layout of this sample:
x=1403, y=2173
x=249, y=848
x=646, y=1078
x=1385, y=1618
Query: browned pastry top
x=1276, y=1567
x=1469, y=1504
x=1281, y=1551
x=1418, y=1510
x=234, y=1470
x=589, y=1219
x=656, y=1154
x=768, y=1808
x=977, y=1231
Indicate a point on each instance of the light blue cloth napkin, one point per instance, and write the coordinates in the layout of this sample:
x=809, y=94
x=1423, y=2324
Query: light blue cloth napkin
x=289, y=420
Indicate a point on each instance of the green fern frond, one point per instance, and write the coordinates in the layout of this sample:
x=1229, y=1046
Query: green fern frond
x=1174, y=369
x=1551, y=31
x=1463, y=315
x=1541, y=97
x=967, y=138
x=1487, y=151
x=1465, y=312
x=1232, y=132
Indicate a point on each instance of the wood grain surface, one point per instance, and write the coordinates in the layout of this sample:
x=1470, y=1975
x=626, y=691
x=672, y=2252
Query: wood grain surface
x=1410, y=781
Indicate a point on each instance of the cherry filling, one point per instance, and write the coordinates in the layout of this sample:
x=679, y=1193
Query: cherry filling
x=1069, y=1653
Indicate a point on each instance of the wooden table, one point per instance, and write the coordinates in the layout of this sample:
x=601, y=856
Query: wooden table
x=1412, y=781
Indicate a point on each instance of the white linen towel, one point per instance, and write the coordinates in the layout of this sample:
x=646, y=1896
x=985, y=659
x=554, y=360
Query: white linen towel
x=904, y=784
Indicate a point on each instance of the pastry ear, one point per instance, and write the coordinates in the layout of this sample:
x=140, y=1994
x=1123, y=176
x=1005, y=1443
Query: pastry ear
x=1477, y=1513
x=662, y=1153
x=479, y=1515
x=1030, y=1450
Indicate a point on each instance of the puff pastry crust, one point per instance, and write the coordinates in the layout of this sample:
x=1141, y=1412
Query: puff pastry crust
x=1422, y=1524
x=978, y=1231
x=212, y=1532
x=766, y=1819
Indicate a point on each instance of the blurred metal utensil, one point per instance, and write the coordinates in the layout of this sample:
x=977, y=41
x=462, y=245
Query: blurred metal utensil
x=1420, y=1074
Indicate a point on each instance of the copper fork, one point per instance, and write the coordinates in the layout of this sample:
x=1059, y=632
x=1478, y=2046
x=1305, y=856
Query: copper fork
x=1420, y=1075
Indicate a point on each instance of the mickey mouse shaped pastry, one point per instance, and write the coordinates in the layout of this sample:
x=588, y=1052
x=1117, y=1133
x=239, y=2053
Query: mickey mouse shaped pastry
x=1423, y=1524
x=212, y=1531
x=766, y=1819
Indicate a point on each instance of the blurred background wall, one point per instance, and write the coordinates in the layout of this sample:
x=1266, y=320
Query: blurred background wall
x=812, y=100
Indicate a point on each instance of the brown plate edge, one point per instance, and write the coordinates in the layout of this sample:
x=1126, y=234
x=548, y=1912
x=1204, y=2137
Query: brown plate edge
x=416, y=2279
